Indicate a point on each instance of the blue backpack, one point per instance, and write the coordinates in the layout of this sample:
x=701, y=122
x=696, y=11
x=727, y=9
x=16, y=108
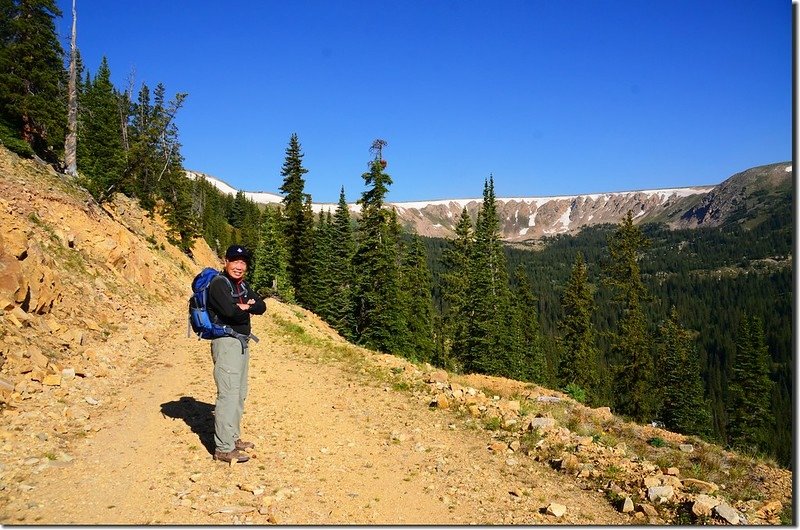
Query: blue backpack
x=199, y=318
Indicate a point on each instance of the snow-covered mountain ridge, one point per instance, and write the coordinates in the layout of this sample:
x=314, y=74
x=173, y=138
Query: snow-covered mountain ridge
x=530, y=218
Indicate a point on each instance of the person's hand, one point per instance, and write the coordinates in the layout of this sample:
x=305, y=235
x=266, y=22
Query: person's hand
x=244, y=307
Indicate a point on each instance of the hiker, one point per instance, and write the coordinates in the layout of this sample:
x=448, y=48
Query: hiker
x=231, y=302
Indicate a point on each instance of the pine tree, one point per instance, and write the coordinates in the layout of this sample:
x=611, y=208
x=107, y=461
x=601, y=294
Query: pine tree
x=750, y=389
x=297, y=224
x=455, y=288
x=530, y=363
x=578, y=364
x=416, y=288
x=343, y=312
x=684, y=408
x=489, y=337
x=33, y=104
x=270, y=258
x=154, y=158
x=321, y=292
x=306, y=288
x=100, y=154
x=631, y=343
x=236, y=216
x=378, y=313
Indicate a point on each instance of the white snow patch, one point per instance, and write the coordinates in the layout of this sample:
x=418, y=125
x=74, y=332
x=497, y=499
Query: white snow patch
x=523, y=231
x=564, y=219
x=788, y=169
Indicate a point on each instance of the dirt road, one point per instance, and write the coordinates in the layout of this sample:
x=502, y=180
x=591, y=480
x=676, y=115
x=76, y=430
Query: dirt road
x=332, y=446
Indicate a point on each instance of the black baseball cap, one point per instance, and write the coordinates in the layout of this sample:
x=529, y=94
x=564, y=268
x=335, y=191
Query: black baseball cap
x=236, y=252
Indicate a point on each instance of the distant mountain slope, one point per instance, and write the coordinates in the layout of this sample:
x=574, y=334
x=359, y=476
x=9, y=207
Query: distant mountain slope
x=745, y=197
x=530, y=218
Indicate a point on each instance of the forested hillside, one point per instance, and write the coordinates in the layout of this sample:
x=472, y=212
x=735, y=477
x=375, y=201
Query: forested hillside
x=715, y=278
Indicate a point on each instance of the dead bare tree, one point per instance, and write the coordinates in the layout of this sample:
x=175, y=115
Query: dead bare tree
x=71, y=142
x=377, y=148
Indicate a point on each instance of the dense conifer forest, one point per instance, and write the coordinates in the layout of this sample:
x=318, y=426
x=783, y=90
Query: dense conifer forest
x=692, y=328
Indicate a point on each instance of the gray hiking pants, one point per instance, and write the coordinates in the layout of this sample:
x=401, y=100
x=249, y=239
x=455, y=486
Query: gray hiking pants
x=231, y=360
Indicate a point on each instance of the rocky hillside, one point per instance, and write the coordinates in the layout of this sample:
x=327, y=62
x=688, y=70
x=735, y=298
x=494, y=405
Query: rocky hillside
x=743, y=197
x=531, y=218
x=99, y=387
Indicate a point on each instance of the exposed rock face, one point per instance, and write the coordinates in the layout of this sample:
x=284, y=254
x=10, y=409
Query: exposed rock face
x=531, y=218
x=523, y=219
x=68, y=265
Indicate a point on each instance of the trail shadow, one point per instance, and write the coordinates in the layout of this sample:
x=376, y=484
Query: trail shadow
x=198, y=416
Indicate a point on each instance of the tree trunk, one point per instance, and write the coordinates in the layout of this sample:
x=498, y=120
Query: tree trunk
x=71, y=143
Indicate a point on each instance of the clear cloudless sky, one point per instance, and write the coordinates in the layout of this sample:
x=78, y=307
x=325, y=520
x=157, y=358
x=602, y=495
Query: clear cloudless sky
x=550, y=97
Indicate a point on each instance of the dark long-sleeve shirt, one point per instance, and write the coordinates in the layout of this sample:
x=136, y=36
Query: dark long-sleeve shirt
x=222, y=299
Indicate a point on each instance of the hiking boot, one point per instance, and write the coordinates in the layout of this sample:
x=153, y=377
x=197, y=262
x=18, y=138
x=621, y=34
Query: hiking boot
x=244, y=446
x=230, y=456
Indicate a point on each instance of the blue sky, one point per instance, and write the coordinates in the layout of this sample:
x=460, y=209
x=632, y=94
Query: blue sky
x=551, y=97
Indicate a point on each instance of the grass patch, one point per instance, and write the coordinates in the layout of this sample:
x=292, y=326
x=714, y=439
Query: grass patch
x=528, y=441
x=493, y=424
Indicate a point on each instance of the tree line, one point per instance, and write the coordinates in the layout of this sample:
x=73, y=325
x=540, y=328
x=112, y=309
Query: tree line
x=616, y=327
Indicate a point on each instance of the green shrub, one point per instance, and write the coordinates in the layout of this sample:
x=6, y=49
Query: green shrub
x=575, y=392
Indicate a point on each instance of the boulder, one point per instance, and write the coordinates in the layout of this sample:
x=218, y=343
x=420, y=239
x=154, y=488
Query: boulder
x=498, y=447
x=660, y=494
x=555, y=509
x=703, y=504
x=541, y=423
x=700, y=485
x=727, y=513
x=627, y=505
x=441, y=402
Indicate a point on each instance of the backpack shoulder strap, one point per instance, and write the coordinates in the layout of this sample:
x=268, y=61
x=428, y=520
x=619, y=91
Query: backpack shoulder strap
x=221, y=275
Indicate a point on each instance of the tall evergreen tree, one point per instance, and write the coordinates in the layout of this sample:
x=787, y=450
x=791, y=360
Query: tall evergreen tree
x=378, y=313
x=416, y=288
x=32, y=79
x=238, y=212
x=297, y=224
x=684, y=408
x=529, y=363
x=489, y=338
x=100, y=153
x=579, y=359
x=321, y=291
x=307, y=243
x=632, y=344
x=343, y=312
x=750, y=389
x=455, y=289
x=270, y=259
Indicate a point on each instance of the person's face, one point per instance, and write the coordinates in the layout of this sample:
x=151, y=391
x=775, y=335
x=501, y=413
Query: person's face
x=236, y=268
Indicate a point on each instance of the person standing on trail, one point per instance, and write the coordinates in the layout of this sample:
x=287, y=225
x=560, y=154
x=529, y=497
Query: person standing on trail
x=231, y=303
